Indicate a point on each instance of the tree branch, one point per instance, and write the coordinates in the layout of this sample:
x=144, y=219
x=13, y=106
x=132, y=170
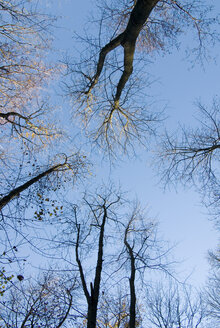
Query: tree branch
x=15, y=192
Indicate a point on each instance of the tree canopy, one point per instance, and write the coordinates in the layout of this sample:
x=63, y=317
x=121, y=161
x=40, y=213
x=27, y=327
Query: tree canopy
x=76, y=252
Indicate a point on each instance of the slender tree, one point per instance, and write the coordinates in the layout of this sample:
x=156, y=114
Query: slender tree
x=101, y=212
x=144, y=253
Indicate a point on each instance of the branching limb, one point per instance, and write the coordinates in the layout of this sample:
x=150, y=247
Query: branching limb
x=82, y=277
x=65, y=166
x=104, y=51
x=127, y=40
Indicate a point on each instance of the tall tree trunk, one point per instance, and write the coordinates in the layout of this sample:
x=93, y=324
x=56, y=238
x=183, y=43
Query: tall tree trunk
x=132, y=308
x=94, y=298
x=132, y=294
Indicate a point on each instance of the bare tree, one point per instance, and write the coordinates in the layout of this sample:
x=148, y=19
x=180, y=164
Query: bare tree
x=212, y=291
x=109, y=97
x=144, y=253
x=113, y=246
x=194, y=156
x=30, y=171
x=100, y=211
x=45, y=303
x=212, y=296
x=23, y=73
x=30, y=204
x=175, y=306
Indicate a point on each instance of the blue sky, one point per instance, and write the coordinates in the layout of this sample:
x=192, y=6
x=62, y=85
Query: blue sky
x=182, y=219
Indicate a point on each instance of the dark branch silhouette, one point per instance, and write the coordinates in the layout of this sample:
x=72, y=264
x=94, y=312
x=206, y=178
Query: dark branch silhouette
x=127, y=40
x=65, y=166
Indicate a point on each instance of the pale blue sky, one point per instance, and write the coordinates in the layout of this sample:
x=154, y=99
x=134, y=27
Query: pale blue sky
x=181, y=217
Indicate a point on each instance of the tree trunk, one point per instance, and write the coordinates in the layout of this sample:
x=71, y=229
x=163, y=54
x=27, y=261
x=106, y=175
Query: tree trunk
x=132, y=294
